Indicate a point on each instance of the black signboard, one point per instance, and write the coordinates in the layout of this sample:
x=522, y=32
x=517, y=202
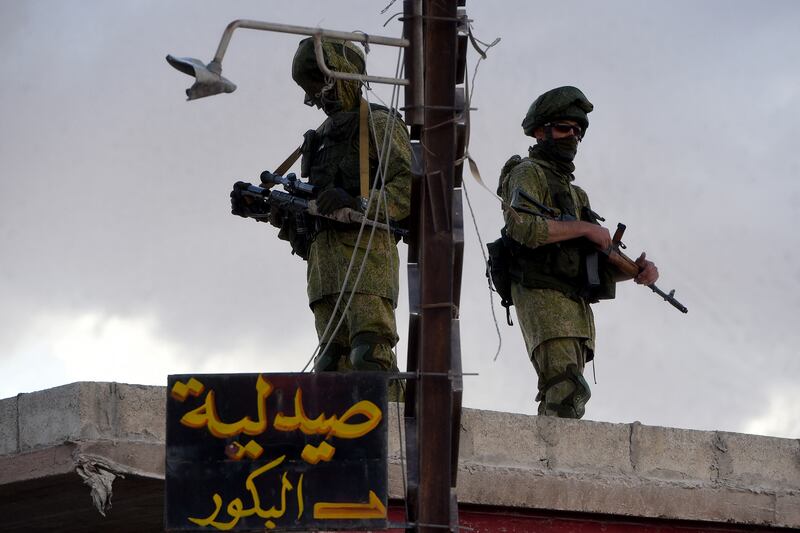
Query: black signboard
x=249, y=452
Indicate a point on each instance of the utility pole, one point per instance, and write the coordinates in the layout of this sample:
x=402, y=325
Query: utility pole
x=436, y=40
x=433, y=401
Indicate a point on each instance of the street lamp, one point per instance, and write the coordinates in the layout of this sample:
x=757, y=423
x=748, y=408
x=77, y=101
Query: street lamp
x=209, y=80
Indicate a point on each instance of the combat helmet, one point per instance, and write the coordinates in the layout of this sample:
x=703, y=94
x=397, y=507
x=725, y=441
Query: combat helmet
x=561, y=103
x=329, y=94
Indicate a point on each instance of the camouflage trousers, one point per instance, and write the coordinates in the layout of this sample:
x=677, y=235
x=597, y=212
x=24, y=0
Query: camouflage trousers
x=368, y=321
x=559, y=363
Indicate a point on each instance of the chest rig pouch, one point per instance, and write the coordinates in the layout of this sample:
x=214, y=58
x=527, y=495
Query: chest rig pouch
x=573, y=267
x=330, y=153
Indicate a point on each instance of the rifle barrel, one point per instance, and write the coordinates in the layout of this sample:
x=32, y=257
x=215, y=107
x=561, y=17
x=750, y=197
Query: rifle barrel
x=669, y=298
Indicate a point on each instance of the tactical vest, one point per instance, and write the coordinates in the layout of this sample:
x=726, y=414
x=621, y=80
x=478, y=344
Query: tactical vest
x=330, y=153
x=573, y=267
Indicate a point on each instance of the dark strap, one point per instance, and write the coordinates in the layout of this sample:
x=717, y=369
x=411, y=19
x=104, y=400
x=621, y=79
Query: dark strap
x=328, y=358
x=287, y=164
x=369, y=337
x=552, y=382
x=562, y=411
x=289, y=161
x=363, y=148
x=592, y=271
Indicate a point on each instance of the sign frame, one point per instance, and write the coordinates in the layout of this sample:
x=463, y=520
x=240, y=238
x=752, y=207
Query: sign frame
x=283, y=452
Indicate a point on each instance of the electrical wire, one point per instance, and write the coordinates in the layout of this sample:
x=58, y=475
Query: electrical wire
x=380, y=174
x=379, y=179
x=469, y=88
x=485, y=261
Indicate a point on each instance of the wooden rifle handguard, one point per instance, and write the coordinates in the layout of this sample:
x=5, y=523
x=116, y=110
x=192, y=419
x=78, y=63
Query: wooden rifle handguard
x=625, y=266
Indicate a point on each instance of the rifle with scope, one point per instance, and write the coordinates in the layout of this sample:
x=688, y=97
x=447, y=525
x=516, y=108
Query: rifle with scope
x=258, y=202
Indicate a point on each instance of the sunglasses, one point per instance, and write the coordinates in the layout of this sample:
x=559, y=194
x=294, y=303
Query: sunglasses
x=565, y=129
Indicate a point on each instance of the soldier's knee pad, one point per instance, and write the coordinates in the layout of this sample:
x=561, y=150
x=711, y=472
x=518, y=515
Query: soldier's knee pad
x=362, y=353
x=328, y=359
x=580, y=396
x=573, y=405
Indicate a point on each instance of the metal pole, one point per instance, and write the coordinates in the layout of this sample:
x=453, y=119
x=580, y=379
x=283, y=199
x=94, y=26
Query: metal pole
x=318, y=34
x=344, y=75
x=302, y=30
x=414, y=65
x=435, y=398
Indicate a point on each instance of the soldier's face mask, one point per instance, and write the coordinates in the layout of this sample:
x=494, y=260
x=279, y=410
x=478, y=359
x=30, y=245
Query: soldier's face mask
x=310, y=101
x=563, y=149
x=313, y=90
x=322, y=97
x=561, y=140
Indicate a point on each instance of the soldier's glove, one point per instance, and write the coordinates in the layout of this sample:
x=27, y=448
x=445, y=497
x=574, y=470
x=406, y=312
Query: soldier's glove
x=336, y=198
x=244, y=206
x=277, y=217
x=238, y=205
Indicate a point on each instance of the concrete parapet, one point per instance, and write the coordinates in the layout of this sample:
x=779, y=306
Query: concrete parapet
x=79, y=412
x=575, y=446
x=628, y=470
x=506, y=460
x=499, y=438
x=9, y=427
x=757, y=461
x=660, y=453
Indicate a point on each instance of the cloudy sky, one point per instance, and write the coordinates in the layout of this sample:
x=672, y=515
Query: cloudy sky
x=120, y=261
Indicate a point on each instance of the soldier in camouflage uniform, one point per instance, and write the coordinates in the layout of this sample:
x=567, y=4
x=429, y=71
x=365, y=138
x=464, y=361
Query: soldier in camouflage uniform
x=331, y=162
x=549, y=269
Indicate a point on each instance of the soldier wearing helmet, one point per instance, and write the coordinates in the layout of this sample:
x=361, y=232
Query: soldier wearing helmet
x=553, y=237
x=330, y=161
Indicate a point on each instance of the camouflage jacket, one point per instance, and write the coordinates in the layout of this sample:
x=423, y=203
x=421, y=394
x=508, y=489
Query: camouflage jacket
x=543, y=313
x=333, y=247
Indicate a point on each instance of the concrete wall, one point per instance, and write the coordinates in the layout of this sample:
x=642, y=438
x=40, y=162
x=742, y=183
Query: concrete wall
x=506, y=459
x=52, y=431
x=82, y=411
x=628, y=469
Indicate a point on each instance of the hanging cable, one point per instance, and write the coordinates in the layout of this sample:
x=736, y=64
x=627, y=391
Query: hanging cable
x=473, y=166
x=401, y=440
x=485, y=261
x=387, y=8
x=383, y=163
x=378, y=179
x=469, y=88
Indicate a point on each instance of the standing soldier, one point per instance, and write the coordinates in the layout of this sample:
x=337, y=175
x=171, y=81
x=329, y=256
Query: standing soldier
x=553, y=238
x=330, y=161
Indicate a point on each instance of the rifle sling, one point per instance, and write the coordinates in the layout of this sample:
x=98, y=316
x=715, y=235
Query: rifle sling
x=287, y=164
x=363, y=148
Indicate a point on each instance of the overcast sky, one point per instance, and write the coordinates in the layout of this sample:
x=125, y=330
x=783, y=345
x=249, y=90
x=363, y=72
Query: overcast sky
x=120, y=261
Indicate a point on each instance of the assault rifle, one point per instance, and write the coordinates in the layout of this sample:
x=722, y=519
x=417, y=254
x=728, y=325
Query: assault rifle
x=298, y=200
x=625, y=266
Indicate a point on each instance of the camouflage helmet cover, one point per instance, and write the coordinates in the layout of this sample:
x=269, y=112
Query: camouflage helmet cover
x=561, y=103
x=340, y=56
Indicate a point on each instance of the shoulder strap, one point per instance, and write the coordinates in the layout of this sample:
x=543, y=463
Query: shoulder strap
x=363, y=148
x=287, y=164
x=293, y=157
